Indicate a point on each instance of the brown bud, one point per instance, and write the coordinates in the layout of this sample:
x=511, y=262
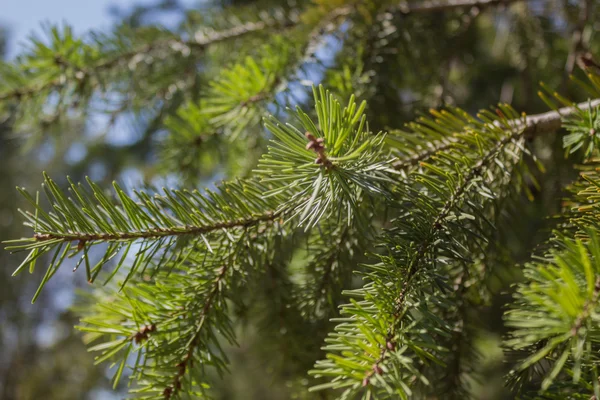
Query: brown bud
x=377, y=369
x=588, y=64
x=390, y=346
x=310, y=136
x=365, y=382
x=181, y=368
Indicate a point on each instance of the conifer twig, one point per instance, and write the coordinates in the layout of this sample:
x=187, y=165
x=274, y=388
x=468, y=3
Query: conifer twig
x=201, y=41
x=414, y=267
x=536, y=124
x=551, y=121
x=414, y=159
x=156, y=232
x=445, y=5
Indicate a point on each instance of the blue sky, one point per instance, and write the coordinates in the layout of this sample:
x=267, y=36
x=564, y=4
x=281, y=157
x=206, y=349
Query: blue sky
x=22, y=17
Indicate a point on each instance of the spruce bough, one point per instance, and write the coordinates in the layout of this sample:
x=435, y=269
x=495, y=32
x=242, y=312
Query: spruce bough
x=379, y=244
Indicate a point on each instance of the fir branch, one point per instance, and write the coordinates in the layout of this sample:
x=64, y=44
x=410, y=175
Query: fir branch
x=156, y=232
x=187, y=308
x=160, y=223
x=552, y=121
x=336, y=249
x=200, y=42
x=369, y=351
x=186, y=304
x=431, y=6
x=332, y=251
x=191, y=255
x=437, y=225
x=237, y=99
x=350, y=163
x=552, y=316
x=532, y=125
x=185, y=363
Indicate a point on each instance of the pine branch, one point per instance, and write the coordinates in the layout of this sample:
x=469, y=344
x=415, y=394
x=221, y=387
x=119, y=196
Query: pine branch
x=552, y=121
x=183, y=316
x=204, y=39
x=431, y=6
x=552, y=315
x=185, y=363
x=86, y=218
x=200, y=42
x=160, y=224
x=425, y=246
x=537, y=124
x=155, y=233
x=371, y=351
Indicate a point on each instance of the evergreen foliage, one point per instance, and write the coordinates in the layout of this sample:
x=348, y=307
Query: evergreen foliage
x=361, y=250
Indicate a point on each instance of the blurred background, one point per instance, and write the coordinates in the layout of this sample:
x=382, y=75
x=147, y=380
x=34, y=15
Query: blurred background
x=471, y=60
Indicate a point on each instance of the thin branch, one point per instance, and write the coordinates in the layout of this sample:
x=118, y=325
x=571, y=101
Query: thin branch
x=157, y=232
x=551, y=121
x=201, y=41
x=414, y=159
x=430, y=6
x=533, y=125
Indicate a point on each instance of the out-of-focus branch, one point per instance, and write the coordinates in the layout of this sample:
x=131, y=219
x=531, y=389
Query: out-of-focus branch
x=578, y=43
x=446, y=5
x=203, y=40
